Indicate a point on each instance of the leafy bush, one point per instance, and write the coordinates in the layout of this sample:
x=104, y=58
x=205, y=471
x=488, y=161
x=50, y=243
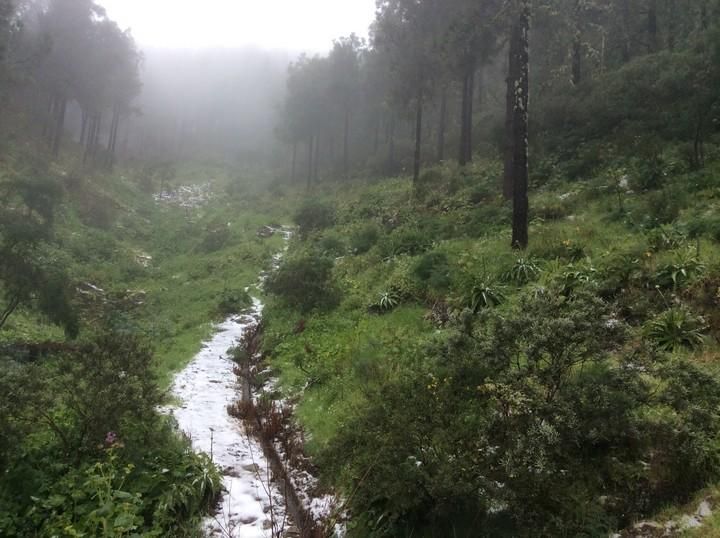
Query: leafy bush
x=332, y=244
x=529, y=415
x=484, y=295
x=305, y=283
x=362, y=240
x=407, y=240
x=676, y=329
x=662, y=207
x=705, y=225
x=233, y=302
x=215, y=239
x=387, y=302
x=434, y=270
x=314, y=216
x=683, y=269
x=666, y=237
x=524, y=271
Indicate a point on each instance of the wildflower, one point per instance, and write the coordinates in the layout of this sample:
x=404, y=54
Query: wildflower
x=110, y=438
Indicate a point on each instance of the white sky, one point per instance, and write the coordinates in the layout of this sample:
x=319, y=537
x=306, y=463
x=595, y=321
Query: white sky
x=296, y=25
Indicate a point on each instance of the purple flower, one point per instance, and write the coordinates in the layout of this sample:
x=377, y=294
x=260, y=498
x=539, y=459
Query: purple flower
x=111, y=438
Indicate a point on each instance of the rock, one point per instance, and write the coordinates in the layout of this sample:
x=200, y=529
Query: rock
x=690, y=522
x=648, y=526
x=266, y=232
x=704, y=510
x=252, y=468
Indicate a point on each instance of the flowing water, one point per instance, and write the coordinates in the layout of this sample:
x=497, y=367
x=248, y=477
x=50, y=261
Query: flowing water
x=252, y=506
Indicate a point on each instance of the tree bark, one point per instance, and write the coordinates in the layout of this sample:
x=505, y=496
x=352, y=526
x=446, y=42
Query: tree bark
x=442, y=126
x=293, y=167
x=317, y=158
x=466, y=120
x=520, y=129
x=509, y=115
x=481, y=87
x=418, y=137
x=577, y=59
x=47, y=124
x=346, y=144
x=626, y=17
x=672, y=26
x=391, y=144
x=310, y=162
x=59, y=126
x=83, y=130
x=652, y=26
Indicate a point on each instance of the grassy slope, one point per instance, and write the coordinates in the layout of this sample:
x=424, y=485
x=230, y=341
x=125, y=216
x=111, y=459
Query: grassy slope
x=107, y=223
x=328, y=365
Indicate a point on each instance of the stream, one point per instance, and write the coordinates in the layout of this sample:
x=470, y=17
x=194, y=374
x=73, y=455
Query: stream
x=251, y=505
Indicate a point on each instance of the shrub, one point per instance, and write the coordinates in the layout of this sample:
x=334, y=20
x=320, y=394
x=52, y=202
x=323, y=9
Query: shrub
x=314, y=216
x=406, y=240
x=305, y=283
x=215, y=239
x=662, y=207
x=683, y=269
x=705, y=225
x=524, y=271
x=387, y=301
x=434, y=270
x=362, y=240
x=484, y=295
x=332, y=244
x=666, y=237
x=233, y=302
x=676, y=329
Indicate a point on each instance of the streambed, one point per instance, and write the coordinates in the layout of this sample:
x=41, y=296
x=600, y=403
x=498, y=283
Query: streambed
x=251, y=506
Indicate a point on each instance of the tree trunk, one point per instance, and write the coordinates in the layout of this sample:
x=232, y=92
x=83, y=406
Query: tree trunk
x=317, y=158
x=96, y=139
x=346, y=144
x=47, y=124
x=293, y=167
x=376, y=140
x=59, y=126
x=521, y=77
x=310, y=162
x=442, y=126
x=480, y=87
x=83, y=130
x=652, y=26
x=509, y=114
x=672, y=27
x=391, y=144
x=466, y=120
x=626, y=18
x=577, y=59
x=418, y=137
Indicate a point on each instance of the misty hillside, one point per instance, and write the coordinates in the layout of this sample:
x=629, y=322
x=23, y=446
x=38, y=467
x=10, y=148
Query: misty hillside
x=456, y=275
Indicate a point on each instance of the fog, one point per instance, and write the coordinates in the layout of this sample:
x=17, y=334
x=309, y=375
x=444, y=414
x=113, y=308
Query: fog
x=213, y=79
x=218, y=103
x=308, y=25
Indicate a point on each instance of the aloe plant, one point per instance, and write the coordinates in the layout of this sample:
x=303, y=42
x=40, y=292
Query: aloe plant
x=676, y=329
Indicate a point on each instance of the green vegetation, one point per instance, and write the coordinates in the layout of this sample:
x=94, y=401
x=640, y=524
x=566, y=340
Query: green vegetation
x=527, y=395
x=83, y=447
x=521, y=343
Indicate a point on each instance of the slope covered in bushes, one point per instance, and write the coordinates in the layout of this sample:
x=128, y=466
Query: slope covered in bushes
x=454, y=383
